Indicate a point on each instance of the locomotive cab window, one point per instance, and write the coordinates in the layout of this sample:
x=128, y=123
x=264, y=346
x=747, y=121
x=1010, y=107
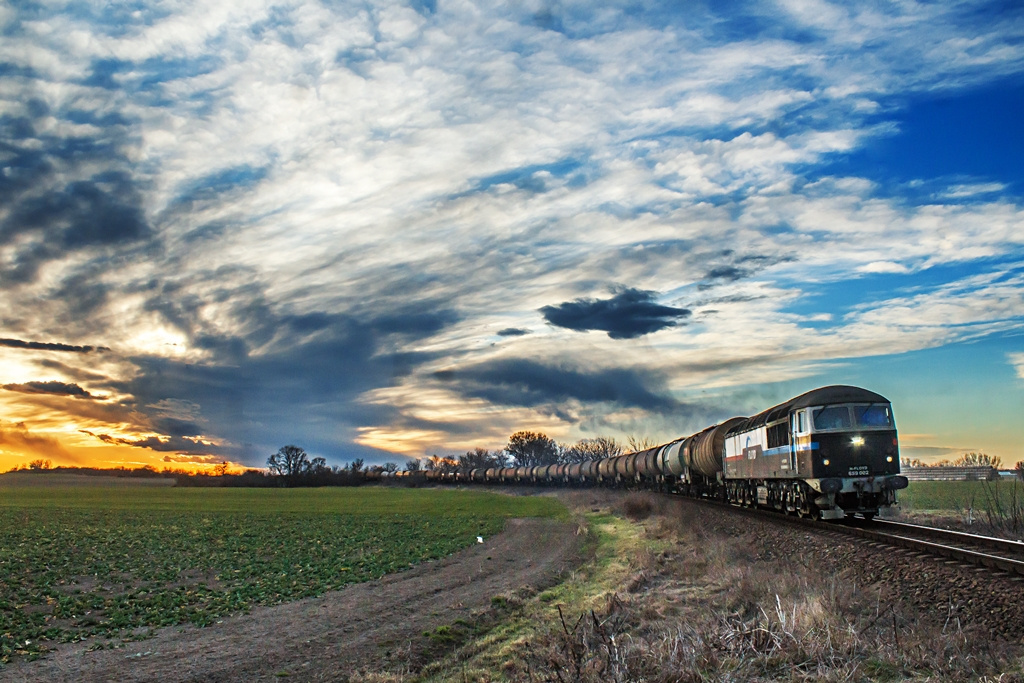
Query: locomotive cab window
x=877, y=415
x=832, y=417
x=802, y=426
x=858, y=416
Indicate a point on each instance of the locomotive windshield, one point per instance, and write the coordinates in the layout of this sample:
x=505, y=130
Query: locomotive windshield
x=857, y=416
x=873, y=415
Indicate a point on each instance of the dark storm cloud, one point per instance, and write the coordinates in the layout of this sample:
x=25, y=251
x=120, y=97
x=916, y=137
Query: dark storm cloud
x=630, y=313
x=53, y=387
x=730, y=273
x=49, y=346
x=198, y=458
x=175, y=444
x=65, y=194
x=523, y=382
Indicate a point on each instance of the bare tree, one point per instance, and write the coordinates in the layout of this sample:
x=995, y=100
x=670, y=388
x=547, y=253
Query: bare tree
x=500, y=458
x=1020, y=470
x=476, y=458
x=356, y=465
x=532, y=448
x=591, y=449
x=439, y=463
x=40, y=464
x=413, y=465
x=289, y=461
x=973, y=459
x=635, y=444
x=390, y=467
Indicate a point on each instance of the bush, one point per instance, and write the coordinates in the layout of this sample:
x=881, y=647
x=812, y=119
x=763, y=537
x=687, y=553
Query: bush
x=638, y=506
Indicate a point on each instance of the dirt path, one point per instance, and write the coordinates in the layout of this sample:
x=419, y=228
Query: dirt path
x=371, y=625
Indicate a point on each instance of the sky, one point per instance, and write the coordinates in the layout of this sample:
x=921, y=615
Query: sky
x=386, y=230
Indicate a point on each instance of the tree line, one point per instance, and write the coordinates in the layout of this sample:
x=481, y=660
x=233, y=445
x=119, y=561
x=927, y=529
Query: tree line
x=971, y=459
x=292, y=466
x=526, y=449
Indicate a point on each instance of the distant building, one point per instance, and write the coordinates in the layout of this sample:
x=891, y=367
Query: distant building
x=950, y=473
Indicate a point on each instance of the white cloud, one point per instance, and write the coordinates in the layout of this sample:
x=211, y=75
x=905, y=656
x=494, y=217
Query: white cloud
x=883, y=267
x=1017, y=361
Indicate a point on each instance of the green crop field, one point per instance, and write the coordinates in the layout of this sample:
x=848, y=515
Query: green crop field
x=959, y=496
x=109, y=561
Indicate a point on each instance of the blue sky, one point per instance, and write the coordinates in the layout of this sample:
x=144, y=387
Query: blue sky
x=382, y=230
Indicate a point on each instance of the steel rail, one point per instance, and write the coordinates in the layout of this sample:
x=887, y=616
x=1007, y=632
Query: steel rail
x=1005, y=564
x=1003, y=544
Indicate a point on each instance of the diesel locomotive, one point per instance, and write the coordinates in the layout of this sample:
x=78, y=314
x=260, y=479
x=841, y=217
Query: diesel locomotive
x=830, y=453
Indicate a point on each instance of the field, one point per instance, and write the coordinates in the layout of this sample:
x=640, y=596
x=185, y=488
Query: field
x=959, y=496
x=89, y=561
x=634, y=587
x=994, y=508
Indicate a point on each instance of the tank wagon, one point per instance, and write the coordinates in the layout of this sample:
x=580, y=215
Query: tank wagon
x=830, y=453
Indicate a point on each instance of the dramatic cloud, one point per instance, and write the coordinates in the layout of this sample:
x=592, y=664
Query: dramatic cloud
x=630, y=313
x=197, y=449
x=49, y=346
x=31, y=446
x=334, y=224
x=527, y=383
x=52, y=387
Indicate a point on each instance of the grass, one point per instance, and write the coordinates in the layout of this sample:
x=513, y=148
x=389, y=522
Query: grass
x=956, y=496
x=364, y=501
x=101, y=561
x=992, y=507
x=669, y=597
x=613, y=545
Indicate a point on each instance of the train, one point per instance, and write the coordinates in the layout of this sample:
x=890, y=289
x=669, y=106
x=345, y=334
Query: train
x=830, y=453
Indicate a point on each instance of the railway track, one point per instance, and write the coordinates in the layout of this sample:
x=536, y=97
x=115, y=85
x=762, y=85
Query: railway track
x=956, y=546
x=984, y=551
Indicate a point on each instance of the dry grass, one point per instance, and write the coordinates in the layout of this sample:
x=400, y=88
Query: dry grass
x=695, y=600
x=639, y=506
x=714, y=608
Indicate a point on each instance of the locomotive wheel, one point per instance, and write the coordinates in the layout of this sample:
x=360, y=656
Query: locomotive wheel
x=806, y=508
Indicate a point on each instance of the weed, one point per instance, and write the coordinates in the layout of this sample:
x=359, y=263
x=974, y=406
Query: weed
x=638, y=506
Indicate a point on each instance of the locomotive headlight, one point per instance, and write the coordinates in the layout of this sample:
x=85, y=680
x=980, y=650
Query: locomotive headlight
x=889, y=459
x=857, y=441
x=825, y=461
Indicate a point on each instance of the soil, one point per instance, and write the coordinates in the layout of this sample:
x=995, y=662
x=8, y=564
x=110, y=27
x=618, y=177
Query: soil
x=376, y=626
